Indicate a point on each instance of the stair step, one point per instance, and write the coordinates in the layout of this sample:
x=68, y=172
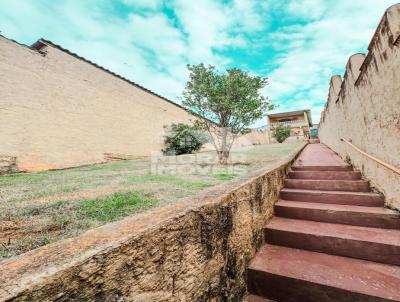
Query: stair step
x=292, y=275
x=377, y=217
x=374, y=244
x=331, y=239
x=326, y=175
x=321, y=168
x=328, y=185
x=335, y=197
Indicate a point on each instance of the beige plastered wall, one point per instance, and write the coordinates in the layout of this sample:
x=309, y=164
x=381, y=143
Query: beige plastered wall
x=58, y=111
x=365, y=108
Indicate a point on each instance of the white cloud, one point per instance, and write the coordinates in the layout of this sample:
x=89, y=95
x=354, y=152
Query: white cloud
x=145, y=49
x=309, y=9
x=205, y=25
x=320, y=48
x=144, y=4
x=145, y=45
x=247, y=15
x=152, y=48
x=211, y=25
x=165, y=43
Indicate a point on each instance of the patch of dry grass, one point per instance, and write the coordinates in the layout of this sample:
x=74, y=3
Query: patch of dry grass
x=40, y=208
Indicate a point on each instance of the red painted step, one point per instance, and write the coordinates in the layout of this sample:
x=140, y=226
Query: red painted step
x=374, y=244
x=336, y=197
x=321, y=168
x=328, y=185
x=326, y=175
x=332, y=239
x=293, y=275
x=377, y=217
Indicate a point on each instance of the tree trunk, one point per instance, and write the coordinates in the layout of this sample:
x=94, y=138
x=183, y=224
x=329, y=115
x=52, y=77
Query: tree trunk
x=223, y=157
x=223, y=154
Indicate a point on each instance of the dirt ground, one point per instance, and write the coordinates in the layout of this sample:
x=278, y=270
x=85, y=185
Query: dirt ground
x=40, y=208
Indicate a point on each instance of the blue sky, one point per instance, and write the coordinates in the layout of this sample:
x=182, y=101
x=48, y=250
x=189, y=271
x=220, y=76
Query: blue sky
x=297, y=44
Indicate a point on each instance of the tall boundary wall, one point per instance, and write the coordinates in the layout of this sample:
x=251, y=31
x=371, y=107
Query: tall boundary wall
x=60, y=110
x=364, y=108
x=196, y=249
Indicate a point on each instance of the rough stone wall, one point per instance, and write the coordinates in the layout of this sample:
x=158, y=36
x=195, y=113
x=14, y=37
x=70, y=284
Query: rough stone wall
x=365, y=108
x=58, y=111
x=8, y=164
x=196, y=249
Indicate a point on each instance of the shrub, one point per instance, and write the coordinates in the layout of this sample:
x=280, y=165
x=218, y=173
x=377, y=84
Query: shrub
x=184, y=139
x=281, y=133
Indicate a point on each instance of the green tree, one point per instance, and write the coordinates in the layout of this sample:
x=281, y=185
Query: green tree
x=229, y=103
x=184, y=139
x=281, y=133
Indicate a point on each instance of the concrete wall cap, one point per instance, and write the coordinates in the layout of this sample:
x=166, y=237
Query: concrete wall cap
x=393, y=17
x=334, y=88
x=335, y=83
x=354, y=64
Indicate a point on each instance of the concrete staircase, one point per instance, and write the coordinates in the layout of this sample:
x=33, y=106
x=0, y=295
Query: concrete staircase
x=331, y=238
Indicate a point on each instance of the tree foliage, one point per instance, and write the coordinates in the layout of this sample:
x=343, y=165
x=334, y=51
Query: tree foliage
x=184, y=139
x=230, y=102
x=281, y=133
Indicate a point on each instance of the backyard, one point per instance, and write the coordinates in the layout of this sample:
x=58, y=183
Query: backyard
x=40, y=208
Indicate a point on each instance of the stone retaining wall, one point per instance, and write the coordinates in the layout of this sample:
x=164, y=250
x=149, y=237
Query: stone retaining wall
x=365, y=108
x=195, y=249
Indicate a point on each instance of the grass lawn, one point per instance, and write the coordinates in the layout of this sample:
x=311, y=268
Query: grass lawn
x=39, y=208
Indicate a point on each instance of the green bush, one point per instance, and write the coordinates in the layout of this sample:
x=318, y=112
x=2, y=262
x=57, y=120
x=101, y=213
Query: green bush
x=183, y=139
x=281, y=133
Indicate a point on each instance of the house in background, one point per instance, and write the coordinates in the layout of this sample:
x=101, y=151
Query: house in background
x=299, y=121
x=314, y=131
